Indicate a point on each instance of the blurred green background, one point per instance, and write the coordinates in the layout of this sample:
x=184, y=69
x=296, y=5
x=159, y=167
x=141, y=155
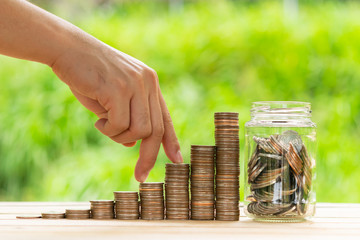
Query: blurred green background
x=210, y=56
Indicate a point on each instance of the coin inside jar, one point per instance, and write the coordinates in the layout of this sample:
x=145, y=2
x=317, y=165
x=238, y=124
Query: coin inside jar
x=279, y=188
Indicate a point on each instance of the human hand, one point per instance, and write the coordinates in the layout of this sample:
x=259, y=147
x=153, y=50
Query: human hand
x=125, y=94
x=122, y=91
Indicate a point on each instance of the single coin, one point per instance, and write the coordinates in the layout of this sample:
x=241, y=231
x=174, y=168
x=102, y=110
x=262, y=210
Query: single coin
x=102, y=201
x=28, y=216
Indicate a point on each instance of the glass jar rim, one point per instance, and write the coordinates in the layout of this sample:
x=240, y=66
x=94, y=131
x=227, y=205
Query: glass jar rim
x=282, y=102
x=281, y=108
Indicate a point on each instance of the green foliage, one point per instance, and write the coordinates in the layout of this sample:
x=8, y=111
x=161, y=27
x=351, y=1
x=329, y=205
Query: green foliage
x=217, y=56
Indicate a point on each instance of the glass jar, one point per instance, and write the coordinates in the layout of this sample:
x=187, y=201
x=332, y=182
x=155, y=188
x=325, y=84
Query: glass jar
x=280, y=142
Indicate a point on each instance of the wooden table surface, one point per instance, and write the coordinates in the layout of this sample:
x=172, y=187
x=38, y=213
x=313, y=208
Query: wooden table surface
x=332, y=221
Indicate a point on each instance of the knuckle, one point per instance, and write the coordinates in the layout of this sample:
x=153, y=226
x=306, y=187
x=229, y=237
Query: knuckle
x=145, y=119
x=143, y=131
x=123, y=85
x=119, y=127
x=153, y=73
x=135, y=75
x=146, y=131
x=152, y=76
x=158, y=132
x=144, y=128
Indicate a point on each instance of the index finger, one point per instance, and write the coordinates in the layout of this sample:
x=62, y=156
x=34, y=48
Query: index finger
x=149, y=147
x=170, y=142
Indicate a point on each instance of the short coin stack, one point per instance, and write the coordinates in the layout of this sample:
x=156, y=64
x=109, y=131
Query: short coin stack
x=177, y=191
x=126, y=205
x=102, y=209
x=77, y=214
x=202, y=182
x=152, y=201
x=53, y=215
x=227, y=166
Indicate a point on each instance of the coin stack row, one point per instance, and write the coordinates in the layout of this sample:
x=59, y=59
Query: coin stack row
x=210, y=199
x=227, y=166
x=202, y=182
x=177, y=191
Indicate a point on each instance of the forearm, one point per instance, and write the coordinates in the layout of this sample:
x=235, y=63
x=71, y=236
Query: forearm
x=30, y=33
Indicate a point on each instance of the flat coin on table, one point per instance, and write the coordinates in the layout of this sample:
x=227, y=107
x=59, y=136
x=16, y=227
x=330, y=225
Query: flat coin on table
x=28, y=216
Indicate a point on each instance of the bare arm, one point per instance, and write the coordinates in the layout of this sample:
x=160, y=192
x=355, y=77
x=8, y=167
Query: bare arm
x=30, y=33
x=122, y=91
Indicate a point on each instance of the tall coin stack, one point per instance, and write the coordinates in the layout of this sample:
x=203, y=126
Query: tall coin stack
x=177, y=191
x=152, y=201
x=102, y=209
x=227, y=166
x=126, y=205
x=202, y=182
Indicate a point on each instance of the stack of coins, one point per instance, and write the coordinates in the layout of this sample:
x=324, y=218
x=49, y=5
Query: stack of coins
x=77, y=213
x=177, y=191
x=102, y=209
x=152, y=201
x=126, y=205
x=202, y=182
x=227, y=166
x=53, y=215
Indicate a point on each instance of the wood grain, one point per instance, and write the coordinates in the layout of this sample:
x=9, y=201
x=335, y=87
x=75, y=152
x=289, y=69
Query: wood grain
x=332, y=221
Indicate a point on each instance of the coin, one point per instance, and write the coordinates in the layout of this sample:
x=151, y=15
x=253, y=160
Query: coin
x=102, y=209
x=78, y=216
x=77, y=213
x=53, y=215
x=177, y=191
x=152, y=200
x=28, y=216
x=294, y=159
x=202, y=182
x=281, y=188
x=126, y=205
x=227, y=166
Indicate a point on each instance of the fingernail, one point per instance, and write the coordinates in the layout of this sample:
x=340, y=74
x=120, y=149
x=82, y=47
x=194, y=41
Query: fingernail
x=179, y=158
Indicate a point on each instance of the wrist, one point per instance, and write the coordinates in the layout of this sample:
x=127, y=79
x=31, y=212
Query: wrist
x=70, y=41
